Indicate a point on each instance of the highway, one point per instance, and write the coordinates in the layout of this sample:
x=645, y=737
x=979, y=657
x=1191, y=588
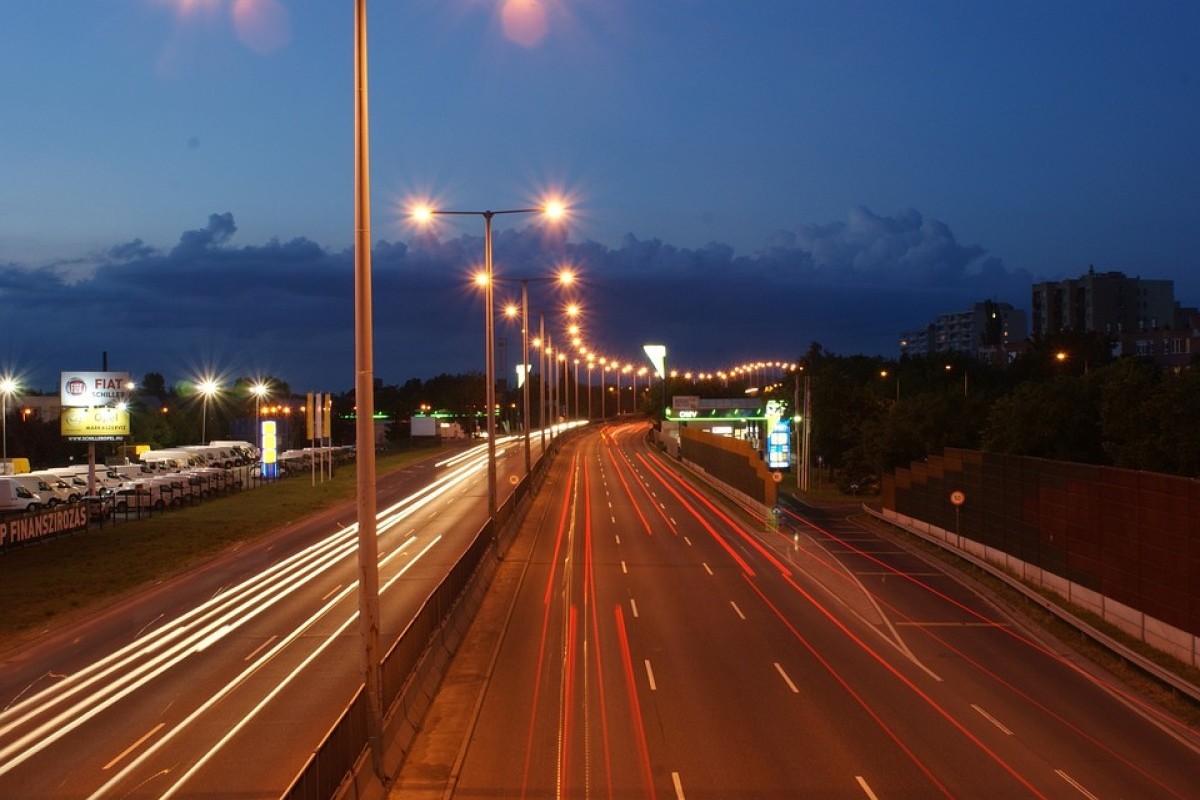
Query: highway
x=663, y=646
x=222, y=682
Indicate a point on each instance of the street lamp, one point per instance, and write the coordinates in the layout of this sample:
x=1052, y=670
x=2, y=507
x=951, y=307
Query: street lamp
x=590, y=364
x=883, y=373
x=260, y=390
x=565, y=277
x=553, y=210
x=7, y=387
x=207, y=387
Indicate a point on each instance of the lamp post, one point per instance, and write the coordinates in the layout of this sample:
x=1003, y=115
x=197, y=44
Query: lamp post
x=590, y=364
x=542, y=378
x=208, y=387
x=364, y=404
x=603, y=367
x=7, y=387
x=560, y=377
x=553, y=210
x=260, y=391
x=618, y=391
x=565, y=277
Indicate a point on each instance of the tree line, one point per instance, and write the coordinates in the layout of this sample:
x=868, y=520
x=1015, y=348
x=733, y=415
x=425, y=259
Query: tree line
x=1064, y=398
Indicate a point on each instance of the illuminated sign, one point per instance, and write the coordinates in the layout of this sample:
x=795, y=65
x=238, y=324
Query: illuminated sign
x=779, y=446
x=269, y=447
x=91, y=389
x=95, y=424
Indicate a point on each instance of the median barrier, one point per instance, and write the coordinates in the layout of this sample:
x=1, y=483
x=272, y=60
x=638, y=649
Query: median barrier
x=414, y=665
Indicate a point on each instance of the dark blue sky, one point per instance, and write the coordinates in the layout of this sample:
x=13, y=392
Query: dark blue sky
x=747, y=177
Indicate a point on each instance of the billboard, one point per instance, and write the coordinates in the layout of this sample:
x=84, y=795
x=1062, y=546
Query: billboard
x=95, y=424
x=92, y=389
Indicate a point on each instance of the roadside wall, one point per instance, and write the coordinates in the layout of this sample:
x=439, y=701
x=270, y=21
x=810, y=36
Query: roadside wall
x=729, y=460
x=1122, y=543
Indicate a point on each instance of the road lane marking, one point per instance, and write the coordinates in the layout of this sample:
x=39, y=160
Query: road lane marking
x=991, y=719
x=134, y=746
x=707, y=568
x=332, y=592
x=624, y=568
x=259, y=649
x=786, y=679
x=686, y=539
x=678, y=786
x=1076, y=785
x=736, y=609
x=633, y=606
x=650, y=676
x=866, y=789
x=617, y=536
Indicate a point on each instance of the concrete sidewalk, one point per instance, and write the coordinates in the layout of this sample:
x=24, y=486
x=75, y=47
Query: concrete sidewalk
x=431, y=768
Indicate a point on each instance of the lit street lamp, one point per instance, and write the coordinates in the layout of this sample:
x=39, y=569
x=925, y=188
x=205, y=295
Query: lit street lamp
x=7, y=387
x=207, y=387
x=565, y=277
x=260, y=391
x=552, y=210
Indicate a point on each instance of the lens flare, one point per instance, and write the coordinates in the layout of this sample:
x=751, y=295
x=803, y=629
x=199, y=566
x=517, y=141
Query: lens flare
x=524, y=21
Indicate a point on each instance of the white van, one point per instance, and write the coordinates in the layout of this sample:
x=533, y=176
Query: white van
x=50, y=495
x=59, y=488
x=15, y=497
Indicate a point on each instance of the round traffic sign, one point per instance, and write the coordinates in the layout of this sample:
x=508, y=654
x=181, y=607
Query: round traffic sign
x=957, y=497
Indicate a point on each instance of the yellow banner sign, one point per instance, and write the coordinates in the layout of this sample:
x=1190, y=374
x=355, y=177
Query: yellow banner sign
x=95, y=424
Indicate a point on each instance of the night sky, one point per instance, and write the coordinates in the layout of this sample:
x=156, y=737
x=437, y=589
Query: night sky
x=745, y=176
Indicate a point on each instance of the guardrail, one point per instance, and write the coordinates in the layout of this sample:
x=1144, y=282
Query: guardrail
x=413, y=665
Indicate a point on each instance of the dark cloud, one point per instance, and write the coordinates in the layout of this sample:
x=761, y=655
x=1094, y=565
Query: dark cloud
x=286, y=308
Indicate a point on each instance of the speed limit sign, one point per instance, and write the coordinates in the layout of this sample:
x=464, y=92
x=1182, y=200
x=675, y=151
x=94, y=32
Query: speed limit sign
x=957, y=498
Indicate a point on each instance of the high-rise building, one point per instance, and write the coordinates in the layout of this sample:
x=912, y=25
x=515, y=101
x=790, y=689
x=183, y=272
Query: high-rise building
x=1102, y=302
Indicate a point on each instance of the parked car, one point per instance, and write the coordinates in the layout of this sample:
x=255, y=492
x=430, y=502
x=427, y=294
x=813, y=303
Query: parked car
x=100, y=506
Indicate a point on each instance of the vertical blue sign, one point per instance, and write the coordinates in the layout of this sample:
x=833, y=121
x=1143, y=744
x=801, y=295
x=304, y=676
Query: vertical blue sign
x=779, y=445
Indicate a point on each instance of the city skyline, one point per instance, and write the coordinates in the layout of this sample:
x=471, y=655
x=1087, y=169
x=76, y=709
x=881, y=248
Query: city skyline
x=743, y=180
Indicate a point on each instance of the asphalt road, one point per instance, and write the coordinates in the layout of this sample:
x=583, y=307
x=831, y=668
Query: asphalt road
x=662, y=645
x=221, y=683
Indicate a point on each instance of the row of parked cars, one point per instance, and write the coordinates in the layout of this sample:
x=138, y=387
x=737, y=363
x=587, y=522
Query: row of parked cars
x=163, y=479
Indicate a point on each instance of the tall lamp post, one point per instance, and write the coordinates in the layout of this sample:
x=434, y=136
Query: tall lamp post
x=552, y=210
x=590, y=364
x=364, y=404
x=565, y=277
x=208, y=387
x=7, y=387
x=260, y=390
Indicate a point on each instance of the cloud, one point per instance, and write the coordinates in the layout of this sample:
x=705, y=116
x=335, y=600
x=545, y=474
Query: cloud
x=286, y=307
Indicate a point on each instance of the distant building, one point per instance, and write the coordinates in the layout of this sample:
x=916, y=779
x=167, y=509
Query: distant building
x=1170, y=347
x=1140, y=317
x=986, y=331
x=1108, y=303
